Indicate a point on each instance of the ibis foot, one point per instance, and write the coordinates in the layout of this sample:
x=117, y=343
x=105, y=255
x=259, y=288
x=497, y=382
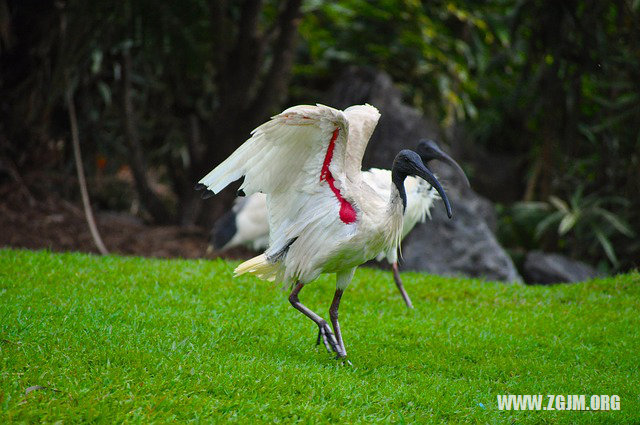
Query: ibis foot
x=324, y=331
x=326, y=336
x=344, y=361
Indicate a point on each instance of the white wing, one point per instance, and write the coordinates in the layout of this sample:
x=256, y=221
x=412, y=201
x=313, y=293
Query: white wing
x=362, y=122
x=379, y=180
x=283, y=150
x=299, y=159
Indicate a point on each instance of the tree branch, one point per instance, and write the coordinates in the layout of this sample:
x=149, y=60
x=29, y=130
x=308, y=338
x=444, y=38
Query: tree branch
x=95, y=234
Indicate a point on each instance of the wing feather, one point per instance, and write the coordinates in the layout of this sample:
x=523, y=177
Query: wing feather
x=286, y=153
x=362, y=122
x=284, y=159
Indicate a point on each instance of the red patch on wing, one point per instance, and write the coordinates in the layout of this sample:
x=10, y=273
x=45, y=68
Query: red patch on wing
x=347, y=212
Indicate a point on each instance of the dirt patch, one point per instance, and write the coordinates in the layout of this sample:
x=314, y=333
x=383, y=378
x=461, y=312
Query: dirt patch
x=50, y=222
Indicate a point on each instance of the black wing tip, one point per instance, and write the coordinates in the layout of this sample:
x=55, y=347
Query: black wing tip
x=240, y=193
x=207, y=194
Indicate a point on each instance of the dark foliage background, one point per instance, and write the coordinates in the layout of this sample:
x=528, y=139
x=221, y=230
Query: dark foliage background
x=549, y=91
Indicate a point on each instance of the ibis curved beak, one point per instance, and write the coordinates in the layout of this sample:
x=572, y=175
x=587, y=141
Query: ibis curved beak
x=425, y=173
x=429, y=150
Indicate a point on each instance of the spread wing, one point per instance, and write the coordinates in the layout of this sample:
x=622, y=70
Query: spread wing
x=362, y=122
x=299, y=159
x=285, y=153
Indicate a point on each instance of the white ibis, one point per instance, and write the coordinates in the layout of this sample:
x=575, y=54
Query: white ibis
x=323, y=217
x=247, y=224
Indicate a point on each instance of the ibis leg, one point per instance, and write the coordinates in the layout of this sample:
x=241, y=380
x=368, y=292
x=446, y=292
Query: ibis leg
x=333, y=313
x=396, y=277
x=324, y=331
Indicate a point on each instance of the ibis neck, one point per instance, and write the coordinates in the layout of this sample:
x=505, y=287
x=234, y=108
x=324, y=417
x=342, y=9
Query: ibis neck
x=397, y=178
x=393, y=220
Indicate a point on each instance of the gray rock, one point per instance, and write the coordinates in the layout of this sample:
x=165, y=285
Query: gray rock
x=465, y=245
x=542, y=268
x=400, y=125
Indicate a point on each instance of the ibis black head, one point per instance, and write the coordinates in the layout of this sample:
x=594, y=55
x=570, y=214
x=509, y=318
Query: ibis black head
x=409, y=163
x=429, y=150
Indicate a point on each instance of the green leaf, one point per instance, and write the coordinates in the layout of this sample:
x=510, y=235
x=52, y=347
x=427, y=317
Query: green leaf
x=105, y=92
x=619, y=224
x=559, y=204
x=567, y=223
x=96, y=61
x=606, y=246
x=576, y=198
x=614, y=120
x=586, y=132
x=542, y=227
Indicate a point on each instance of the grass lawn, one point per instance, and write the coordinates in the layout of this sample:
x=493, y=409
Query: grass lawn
x=116, y=339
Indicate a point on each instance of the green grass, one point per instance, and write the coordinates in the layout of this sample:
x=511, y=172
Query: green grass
x=118, y=339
